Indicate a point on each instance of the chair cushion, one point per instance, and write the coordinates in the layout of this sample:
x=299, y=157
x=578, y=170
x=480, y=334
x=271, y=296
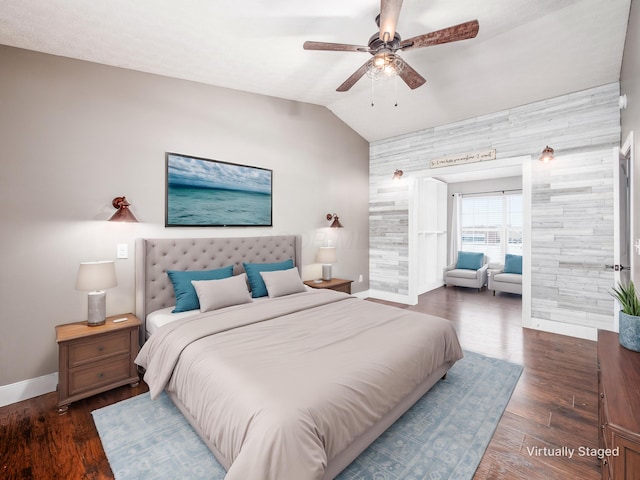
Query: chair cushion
x=508, y=278
x=469, y=260
x=513, y=263
x=462, y=273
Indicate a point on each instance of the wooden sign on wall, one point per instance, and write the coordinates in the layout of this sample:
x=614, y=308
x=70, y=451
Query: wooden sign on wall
x=463, y=158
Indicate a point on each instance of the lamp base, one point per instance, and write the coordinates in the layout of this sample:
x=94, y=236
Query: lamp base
x=96, y=314
x=326, y=271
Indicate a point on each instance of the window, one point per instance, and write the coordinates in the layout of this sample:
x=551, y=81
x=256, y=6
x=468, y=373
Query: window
x=491, y=224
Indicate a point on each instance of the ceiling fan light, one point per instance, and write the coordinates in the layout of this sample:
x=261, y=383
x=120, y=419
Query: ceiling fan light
x=384, y=64
x=379, y=60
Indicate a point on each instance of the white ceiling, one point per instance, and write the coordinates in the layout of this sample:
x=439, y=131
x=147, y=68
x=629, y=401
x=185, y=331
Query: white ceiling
x=525, y=51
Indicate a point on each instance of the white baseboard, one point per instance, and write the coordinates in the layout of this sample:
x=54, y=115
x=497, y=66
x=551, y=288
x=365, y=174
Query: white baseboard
x=32, y=387
x=362, y=295
x=578, y=331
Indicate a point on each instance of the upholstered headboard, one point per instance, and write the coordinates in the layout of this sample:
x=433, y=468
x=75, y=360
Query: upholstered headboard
x=155, y=256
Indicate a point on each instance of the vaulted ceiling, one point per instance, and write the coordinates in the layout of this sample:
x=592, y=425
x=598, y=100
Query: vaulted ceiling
x=525, y=51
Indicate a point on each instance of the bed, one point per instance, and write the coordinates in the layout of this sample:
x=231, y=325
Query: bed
x=290, y=386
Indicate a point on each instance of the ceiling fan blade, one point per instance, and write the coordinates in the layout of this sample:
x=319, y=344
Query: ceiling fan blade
x=446, y=35
x=337, y=47
x=355, y=76
x=389, y=13
x=412, y=78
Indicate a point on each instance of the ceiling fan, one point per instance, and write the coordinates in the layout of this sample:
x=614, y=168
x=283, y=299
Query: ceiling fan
x=384, y=44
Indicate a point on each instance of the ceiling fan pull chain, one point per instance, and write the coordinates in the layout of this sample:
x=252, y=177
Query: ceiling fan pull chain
x=372, y=90
x=395, y=81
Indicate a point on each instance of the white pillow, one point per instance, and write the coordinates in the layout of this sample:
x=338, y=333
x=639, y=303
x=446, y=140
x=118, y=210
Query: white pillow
x=283, y=282
x=214, y=294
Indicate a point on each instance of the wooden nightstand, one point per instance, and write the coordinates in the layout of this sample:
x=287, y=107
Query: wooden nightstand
x=92, y=360
x=337, y=284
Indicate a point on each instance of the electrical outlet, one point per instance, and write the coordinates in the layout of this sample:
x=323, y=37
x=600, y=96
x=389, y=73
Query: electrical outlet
x=361, y=278
x=122, y=251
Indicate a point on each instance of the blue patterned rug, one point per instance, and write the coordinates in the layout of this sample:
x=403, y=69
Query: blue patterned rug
x=443, y=436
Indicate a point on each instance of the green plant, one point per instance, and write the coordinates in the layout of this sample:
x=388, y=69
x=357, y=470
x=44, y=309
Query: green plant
x=626, y=295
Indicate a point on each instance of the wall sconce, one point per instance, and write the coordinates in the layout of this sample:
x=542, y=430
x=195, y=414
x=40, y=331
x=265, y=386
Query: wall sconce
x=547, y=155
x=123, y=214
x=95, y=278
x=336, y=222
x=397, y=175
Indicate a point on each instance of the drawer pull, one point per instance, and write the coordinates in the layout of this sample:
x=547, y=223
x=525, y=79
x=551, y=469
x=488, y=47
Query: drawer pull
x=100, y=375
x=100, y=348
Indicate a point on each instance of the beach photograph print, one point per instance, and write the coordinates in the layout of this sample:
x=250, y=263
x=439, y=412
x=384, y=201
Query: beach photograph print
x=202, y=192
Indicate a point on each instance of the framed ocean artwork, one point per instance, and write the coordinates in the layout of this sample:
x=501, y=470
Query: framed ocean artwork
x=210, y=193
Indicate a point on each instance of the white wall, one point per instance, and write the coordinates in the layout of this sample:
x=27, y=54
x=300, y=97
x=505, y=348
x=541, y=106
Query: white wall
x=76, y=134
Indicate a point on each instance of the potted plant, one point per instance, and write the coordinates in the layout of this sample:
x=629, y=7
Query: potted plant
x=629, y=331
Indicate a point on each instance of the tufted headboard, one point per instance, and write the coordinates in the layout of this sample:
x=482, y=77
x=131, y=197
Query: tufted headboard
x=157, y=255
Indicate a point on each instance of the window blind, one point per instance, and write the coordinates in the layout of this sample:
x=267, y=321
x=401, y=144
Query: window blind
x=491, y=224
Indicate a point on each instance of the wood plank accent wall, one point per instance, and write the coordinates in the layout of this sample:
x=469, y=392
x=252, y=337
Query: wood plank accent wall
x=572, y=239
x=572, y=204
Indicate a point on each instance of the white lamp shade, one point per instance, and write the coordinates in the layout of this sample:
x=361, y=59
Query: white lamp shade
x=327, y=255
x=94, y=276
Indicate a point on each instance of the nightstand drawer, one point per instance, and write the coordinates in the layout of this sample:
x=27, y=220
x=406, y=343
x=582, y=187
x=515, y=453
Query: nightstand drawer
x=98, y=374
x=95, y=349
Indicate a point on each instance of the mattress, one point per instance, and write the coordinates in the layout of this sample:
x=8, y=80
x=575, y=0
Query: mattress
x=281, y=388
x=162, y=317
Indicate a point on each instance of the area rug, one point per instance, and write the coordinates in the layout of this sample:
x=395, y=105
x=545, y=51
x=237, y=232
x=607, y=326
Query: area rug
x=443, y=436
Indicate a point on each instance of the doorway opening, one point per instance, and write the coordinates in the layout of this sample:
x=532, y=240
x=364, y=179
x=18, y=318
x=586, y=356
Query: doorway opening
x=449, y=176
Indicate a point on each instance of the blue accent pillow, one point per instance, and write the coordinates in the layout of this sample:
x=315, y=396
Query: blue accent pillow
x=258, y=288
x=470, y=260
x=513, y=263
x=186, y=297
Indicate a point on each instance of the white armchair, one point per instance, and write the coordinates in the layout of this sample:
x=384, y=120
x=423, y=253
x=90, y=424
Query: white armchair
x=465, y=272
x=507, y=277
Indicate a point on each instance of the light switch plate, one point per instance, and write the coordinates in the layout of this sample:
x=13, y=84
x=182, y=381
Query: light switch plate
x=122, y=250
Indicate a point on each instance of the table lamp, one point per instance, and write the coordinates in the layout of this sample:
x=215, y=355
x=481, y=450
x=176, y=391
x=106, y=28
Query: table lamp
x=326, y=256
x=96, y=277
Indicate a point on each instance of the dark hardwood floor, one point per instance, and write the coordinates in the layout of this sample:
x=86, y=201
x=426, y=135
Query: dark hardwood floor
x=554, y=404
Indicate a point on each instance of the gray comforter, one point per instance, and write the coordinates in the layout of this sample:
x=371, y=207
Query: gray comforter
x=282, y=386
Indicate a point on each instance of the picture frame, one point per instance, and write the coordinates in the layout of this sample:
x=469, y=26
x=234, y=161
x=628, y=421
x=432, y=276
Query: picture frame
x=202, y=192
